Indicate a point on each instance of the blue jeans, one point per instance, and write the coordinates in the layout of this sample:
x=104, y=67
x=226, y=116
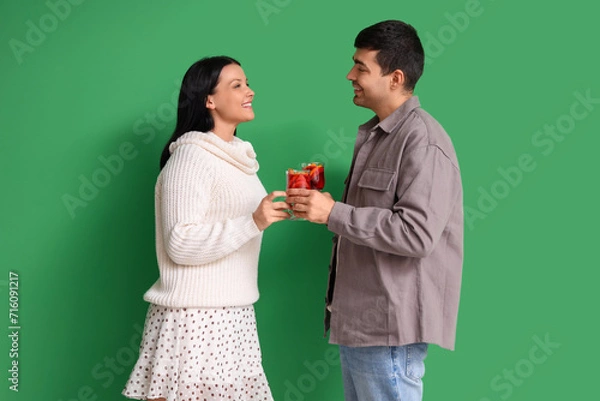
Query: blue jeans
x=383, y=373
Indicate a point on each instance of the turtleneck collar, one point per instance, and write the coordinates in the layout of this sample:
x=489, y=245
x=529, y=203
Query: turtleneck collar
x=239, y=153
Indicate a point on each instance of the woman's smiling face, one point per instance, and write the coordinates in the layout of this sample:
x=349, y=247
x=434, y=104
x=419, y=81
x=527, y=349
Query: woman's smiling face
x=231, y=102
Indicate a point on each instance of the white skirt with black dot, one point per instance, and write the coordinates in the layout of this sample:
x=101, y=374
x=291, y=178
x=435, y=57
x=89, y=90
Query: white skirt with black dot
x=190, y=354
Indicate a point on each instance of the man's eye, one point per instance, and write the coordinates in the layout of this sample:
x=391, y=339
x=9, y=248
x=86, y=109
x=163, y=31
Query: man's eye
x=237, y=86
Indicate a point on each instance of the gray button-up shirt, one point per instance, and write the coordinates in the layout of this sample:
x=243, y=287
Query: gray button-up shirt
x=397, y=258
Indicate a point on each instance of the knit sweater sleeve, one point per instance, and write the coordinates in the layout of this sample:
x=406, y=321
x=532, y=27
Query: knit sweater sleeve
x=191, y=238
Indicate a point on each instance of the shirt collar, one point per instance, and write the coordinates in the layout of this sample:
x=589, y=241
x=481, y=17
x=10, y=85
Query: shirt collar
x=391, y=122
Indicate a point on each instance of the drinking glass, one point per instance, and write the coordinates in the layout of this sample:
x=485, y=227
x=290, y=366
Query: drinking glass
x=309, y=176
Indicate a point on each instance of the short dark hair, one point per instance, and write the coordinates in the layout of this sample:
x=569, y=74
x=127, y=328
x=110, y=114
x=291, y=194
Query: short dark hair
x=399, y=49
x=199, y=81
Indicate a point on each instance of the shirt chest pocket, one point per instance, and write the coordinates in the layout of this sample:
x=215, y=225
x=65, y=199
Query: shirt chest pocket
x=376, y=187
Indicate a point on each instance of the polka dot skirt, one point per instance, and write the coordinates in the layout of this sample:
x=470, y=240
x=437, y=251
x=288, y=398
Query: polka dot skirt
x=199, y=355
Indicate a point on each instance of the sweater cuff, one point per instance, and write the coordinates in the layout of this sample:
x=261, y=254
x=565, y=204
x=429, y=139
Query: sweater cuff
x=250, y=228
x=339, y=217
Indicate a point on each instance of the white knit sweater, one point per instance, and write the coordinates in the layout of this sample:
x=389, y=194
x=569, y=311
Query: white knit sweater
x=207, y=243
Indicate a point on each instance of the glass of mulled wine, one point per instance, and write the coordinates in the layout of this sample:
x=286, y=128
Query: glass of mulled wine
x=309, y=176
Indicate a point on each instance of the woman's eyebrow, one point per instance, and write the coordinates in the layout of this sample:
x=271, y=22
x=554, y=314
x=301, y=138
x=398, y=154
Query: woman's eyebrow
x=237, y=79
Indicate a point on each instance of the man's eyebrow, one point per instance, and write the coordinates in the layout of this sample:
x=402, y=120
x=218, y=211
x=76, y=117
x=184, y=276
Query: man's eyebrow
x=357, y=61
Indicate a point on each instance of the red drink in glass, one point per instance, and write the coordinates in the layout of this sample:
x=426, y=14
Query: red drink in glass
x=298, y=179
x=316, y=173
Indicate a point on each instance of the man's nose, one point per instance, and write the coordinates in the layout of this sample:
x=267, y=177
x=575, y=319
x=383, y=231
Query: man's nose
x=350, y=76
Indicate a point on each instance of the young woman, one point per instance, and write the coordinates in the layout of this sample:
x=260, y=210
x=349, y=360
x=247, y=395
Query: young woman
x=200, y=339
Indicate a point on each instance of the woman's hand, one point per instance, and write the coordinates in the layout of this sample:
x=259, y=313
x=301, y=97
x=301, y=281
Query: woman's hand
x=269, y=212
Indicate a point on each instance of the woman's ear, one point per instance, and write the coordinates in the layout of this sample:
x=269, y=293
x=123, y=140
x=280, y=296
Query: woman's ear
x=210, y=104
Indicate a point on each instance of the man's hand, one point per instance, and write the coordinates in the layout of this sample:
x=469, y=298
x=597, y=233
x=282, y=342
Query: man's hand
x=312, y=205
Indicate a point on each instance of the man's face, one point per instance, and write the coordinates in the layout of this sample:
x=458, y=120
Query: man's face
x=370, y=88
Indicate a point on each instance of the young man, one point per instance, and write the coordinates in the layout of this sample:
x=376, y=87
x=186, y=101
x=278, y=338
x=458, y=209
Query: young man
x=396, y=265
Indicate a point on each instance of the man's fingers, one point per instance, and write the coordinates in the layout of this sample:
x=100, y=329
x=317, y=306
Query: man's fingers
x=298, y=192
x=303, y=200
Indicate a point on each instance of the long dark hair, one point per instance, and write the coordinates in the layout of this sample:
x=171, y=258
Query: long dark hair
x=199, y=81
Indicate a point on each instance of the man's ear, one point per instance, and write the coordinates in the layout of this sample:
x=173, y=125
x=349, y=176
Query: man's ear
x=210, y=104
x=397, y=79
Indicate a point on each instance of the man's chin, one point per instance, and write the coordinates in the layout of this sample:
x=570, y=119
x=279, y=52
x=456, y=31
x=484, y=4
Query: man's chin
x=358, y=101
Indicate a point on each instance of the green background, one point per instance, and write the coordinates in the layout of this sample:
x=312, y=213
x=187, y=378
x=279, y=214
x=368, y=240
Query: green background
x=101, y=79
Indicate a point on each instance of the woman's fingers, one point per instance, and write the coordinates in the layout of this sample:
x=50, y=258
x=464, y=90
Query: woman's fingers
x=276, y=194
x=280, y=205
x=282, y=216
